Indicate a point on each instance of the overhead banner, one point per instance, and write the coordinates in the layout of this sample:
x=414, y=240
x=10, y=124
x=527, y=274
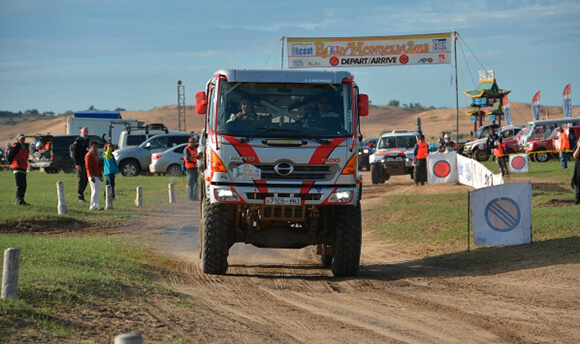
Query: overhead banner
x=536, y=106
x=567, y=101
x=502, y=215
x=506, y=110
x=519, y=163
x=473, y=173
x=330, y=52
x=442, y=167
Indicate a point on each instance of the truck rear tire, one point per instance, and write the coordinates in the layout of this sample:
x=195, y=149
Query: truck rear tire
x=214, y=249
x=68, y=166
x=347, y=243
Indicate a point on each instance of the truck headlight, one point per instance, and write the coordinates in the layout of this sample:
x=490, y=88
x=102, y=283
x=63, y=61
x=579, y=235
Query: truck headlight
x=341, y=197
x=226, y=195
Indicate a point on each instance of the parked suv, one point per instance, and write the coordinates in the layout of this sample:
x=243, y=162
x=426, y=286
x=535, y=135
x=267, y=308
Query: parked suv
x=52, y=152
x=478, y=149
x=134, y=160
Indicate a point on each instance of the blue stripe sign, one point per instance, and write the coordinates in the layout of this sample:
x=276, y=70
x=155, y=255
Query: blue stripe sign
x=502, y=215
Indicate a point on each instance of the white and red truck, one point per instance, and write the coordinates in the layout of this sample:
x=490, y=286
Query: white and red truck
x=284, y=175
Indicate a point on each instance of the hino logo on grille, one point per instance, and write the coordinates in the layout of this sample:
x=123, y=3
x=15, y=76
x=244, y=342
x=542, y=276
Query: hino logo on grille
x=284, y=168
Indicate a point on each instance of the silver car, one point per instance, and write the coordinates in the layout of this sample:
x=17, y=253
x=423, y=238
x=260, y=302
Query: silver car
x=133, y=160
x=168, y=162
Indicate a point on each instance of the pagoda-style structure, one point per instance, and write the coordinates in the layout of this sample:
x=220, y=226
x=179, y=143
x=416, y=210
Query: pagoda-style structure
x=486, y=100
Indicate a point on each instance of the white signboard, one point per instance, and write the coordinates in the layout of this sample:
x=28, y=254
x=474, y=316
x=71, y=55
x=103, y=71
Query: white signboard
x=442, y=167
x=502, y=215
x=519, y=163
x=330, y=52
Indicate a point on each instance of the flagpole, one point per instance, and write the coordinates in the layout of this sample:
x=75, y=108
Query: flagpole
x=282, y=57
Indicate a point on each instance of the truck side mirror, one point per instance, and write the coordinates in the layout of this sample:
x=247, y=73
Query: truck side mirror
x=200, y=103
x=363, y=105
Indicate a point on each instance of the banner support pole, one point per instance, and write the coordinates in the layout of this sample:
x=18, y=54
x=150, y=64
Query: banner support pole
x=468, y=218
x=456, y=88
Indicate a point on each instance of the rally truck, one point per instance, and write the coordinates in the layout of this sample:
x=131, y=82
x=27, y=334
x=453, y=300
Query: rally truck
x=284, y=175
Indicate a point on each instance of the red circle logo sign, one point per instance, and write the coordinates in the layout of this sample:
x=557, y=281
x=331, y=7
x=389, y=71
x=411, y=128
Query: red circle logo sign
x=333, y=61
x=404, y=59
x=441, y=169
x=518, y=162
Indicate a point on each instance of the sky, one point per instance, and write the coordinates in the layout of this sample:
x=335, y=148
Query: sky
x=62, y=55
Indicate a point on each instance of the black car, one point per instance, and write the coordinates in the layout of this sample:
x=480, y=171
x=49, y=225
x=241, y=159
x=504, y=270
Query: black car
x=51, y=152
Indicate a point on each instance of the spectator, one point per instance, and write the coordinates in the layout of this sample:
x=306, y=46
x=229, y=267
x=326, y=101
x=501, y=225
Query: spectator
x=110, y=167
x=18, y=158
x=500, y=152
x=563, y=145
x=81, y=147
x=94, y=175
x=576, y=176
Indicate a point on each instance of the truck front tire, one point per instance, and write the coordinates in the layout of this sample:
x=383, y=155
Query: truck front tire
x=214, y=249
x=347, y=243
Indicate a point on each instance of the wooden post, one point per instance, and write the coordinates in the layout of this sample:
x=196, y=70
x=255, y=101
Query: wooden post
x=108, y=197
x=129, y=338
x=139, y=199
x=10, y=274
x=171, y=193
x=62, y=209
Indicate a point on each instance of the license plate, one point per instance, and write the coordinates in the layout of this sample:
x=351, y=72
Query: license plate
x=283, y=200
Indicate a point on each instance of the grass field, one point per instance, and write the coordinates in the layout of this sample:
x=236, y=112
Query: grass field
x=79, y=272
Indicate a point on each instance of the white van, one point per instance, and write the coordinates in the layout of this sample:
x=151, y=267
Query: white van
x=132, y=137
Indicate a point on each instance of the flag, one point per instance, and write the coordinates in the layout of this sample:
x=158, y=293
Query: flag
x=536, y=106
x=506, y=110
x=567, y=101
x=519, y=163
x=502, y=214
x=442, y=167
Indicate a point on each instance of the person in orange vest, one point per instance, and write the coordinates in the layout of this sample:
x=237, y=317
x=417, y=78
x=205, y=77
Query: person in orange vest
x=190, y=156
x=18, y=158
x=420, y=160
x=500, y=152
x=563, y=147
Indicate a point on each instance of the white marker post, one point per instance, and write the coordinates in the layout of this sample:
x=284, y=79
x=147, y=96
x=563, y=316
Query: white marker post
x=109, y=197
x=139, y=199
x=62, y=209
x=10, y=274
x=171, y=193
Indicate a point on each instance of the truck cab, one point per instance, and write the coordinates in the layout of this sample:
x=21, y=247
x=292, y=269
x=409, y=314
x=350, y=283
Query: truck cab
x=280, y=164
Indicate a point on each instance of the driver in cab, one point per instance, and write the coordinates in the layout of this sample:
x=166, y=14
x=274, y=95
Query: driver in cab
x=247, y=112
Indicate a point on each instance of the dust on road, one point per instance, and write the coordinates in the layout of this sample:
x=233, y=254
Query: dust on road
x=286, y=296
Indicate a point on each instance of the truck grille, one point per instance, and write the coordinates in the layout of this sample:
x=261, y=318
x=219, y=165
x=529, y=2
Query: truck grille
x=304, y=197
x=300, y=172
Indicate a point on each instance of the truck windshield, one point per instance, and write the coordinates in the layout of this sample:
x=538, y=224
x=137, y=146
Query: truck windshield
x=284, y=110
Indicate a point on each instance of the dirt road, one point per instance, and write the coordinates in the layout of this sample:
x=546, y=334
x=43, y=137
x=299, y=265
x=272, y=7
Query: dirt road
x=285, y=296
